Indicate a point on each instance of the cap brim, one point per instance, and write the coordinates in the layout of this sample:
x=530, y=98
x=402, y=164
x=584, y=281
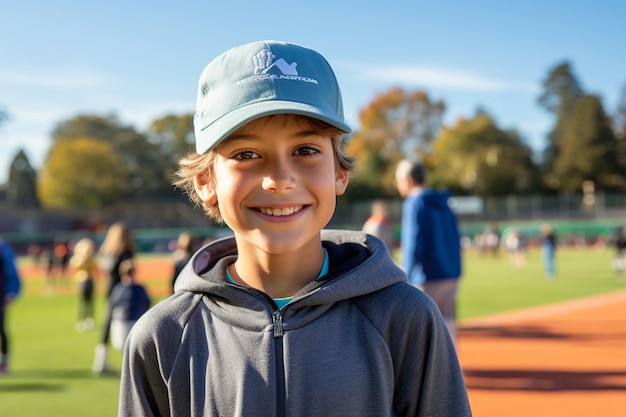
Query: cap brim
x=210, y=136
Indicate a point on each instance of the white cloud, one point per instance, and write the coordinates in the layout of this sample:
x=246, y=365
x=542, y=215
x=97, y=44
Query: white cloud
x=454, y=79
x=72, y=79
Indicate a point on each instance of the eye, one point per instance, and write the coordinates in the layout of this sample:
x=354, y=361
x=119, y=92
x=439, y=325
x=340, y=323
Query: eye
x=246, y=155
x=306, y=150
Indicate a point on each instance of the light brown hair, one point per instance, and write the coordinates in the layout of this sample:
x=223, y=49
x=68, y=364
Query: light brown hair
x=194, y=164
x=117, y=240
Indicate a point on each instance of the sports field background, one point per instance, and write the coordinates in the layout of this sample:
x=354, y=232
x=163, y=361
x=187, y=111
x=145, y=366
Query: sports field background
x=51, y=361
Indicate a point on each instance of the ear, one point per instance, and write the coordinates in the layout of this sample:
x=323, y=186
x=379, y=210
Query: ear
x=204, y=190
x=341, y=181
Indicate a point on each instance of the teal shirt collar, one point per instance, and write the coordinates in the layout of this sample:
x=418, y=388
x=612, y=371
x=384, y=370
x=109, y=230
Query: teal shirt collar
x=281, y=302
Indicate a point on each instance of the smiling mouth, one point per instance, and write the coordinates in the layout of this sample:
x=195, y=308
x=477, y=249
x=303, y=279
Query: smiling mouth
x=278, y=212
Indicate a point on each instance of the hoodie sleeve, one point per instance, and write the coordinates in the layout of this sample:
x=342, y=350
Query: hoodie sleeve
x=427, y=378
x=9, y=269
x=430, y=373
x=150, y=352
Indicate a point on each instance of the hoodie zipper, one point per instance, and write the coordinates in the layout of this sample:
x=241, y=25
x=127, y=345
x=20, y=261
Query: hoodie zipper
x=278, y=323
x=280, y=364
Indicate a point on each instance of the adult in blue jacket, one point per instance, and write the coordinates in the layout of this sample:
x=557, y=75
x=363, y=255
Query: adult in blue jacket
x=430, y=241
x=9, y=289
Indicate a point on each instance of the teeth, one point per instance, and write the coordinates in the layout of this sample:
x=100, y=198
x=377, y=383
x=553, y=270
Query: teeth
x=280, y=212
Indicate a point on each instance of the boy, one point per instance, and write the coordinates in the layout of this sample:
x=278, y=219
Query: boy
x=129, y=300
x=284, y=318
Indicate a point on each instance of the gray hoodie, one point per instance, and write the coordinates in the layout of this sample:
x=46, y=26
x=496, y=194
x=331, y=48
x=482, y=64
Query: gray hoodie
x=359, y=341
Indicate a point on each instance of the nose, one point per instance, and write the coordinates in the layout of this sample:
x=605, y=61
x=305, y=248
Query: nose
x=280, y=177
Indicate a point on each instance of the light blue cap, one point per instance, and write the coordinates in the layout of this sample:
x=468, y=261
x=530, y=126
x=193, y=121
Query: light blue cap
x=261, y=79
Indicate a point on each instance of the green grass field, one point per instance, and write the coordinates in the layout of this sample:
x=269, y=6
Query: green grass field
x=490, y=285
x=51, y=361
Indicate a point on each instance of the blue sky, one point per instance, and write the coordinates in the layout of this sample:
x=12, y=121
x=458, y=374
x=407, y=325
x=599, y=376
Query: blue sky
x=142, y=59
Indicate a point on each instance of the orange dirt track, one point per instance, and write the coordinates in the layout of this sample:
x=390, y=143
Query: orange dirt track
x=567, y=359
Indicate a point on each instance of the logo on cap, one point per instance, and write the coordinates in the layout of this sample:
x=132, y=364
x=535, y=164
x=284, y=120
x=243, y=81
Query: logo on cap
x=263, y=65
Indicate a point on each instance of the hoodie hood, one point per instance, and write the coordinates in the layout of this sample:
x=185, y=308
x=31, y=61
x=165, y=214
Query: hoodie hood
x=434, y=198
x=359, y=264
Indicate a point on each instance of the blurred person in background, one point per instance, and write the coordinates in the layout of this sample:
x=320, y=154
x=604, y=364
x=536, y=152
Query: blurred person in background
x=129, y=300
x=515, y=244
x=58, y=260
x=619, y=261
x=548, y=249
x=185, y=247
x=430, y=240
x=85, y=266
x=117, y=247
x=379, y=224
x=492, y=240
x=10, y=285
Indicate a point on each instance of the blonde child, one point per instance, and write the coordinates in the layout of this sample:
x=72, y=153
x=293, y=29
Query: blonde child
x=85, y=266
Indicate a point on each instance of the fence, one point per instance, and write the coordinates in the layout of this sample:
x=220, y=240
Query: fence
x=583, y=215
x=577, y=214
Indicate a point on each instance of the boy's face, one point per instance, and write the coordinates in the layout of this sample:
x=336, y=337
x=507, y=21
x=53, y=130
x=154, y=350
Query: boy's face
x=276, y=183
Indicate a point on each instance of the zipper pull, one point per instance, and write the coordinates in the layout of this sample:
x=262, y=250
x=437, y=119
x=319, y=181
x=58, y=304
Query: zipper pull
x=278, y=323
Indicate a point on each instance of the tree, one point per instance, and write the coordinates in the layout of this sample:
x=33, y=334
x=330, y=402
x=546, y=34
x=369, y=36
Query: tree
x=619, y=126
x=587, y=149
x=105, y=128
x=619, y=119
x=82, y=173
x=174, y=135
x=476, y=156
x=561, y=90
x=396, y=124
x=142, y=161
x=21, y=187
